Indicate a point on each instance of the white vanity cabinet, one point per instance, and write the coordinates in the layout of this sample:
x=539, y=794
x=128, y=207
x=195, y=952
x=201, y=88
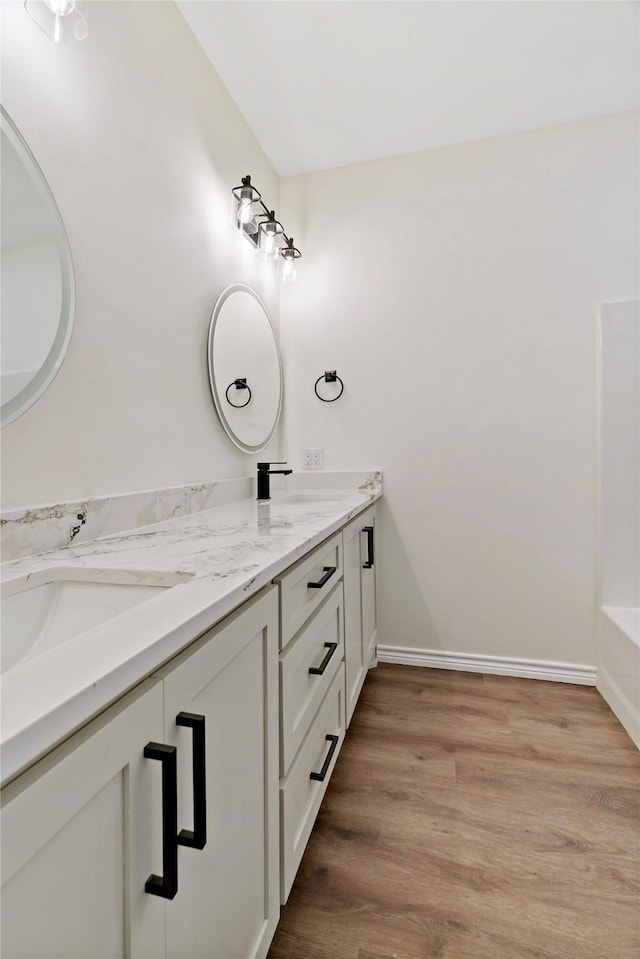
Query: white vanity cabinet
x=359, y=603
x=85, y=828
x=173, y=824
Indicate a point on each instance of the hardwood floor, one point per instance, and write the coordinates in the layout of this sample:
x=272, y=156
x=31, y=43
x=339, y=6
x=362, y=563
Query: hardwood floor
x=473, y=817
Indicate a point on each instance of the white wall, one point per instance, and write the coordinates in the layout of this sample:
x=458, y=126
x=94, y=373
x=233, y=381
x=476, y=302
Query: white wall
x=141, y=145
x=455, y=291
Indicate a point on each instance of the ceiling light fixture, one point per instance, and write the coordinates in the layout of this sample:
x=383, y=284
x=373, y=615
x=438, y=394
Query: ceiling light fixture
x=61, y=20
x=251, y=217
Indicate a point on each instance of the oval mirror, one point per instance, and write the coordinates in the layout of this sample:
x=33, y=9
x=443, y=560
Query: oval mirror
x=38, y=287
x=245, y=369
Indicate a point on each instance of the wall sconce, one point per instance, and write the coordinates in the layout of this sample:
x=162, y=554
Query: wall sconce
x=62, y=20
x=259, y=225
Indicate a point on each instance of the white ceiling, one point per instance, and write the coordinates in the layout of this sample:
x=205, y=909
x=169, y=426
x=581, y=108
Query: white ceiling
x=324, y=83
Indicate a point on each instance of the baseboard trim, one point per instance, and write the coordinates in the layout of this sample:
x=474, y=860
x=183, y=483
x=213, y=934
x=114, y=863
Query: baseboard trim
x=496, y=665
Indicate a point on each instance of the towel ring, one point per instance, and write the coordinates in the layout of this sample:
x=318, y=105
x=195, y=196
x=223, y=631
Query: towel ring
x=240, y=384
x=329, y=376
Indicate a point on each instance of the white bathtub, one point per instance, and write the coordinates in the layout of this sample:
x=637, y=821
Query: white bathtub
x=619, y=667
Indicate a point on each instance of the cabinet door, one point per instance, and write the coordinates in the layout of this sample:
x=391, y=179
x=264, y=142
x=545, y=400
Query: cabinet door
x=368, y=545
x=227, y=905
x=359, y=603
x=80, y=836
x=355, y=668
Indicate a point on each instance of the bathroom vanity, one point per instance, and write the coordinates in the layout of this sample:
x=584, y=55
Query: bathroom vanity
x=160, y=804
x=175, y=688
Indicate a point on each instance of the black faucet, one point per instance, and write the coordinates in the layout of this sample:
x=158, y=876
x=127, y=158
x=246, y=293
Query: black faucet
x=263, y=478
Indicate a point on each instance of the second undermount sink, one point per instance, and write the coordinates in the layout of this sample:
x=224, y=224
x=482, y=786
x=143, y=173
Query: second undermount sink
x=315, y=496
x=42, y=612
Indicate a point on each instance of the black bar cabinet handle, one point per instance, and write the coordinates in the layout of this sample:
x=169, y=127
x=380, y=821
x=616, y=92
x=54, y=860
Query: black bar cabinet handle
x=319, y=670
x=369, y=531
x=197, y=838
x=167, y=884
x=328, y=573
x=325, y=766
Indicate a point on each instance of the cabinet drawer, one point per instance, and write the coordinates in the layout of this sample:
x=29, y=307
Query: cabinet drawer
x=300, y=795
x=297, y=599
x=320, y=648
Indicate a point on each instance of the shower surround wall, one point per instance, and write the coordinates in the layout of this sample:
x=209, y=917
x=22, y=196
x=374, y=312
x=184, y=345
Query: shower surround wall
x=619, y=455
x=456, y=291
x=141, y=144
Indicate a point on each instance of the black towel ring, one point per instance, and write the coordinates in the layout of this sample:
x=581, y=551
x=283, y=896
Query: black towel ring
x=240, y=384
x=329, y=376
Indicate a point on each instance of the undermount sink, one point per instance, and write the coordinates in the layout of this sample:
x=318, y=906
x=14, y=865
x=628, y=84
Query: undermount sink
x=42, y=612
x=316, y=496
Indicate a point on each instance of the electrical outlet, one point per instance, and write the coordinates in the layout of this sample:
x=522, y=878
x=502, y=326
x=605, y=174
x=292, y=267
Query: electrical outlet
x=313, y=458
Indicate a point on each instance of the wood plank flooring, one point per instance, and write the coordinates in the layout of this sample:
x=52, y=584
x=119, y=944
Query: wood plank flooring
x=473, y=817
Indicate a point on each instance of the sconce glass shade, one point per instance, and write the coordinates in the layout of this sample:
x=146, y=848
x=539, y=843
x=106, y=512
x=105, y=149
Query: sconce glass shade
x=288, y=256
x=270, y=236
x=242, y=206
x=62, y=20
x=288, y=272
x=243, y=218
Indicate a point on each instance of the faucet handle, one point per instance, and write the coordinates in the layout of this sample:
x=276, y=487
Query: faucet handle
x=265, y=466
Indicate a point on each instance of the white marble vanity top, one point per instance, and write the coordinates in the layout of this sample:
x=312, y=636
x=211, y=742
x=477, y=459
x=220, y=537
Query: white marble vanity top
x=218, y=557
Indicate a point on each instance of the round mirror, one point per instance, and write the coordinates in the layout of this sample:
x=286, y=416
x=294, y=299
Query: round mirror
x=37, y=278
x=245, y=369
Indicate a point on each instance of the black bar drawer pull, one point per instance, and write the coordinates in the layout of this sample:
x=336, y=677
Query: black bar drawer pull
x=197, y=838
x=328, y=573
x=369, y=531
x=167, y=884
x=319, y=670
x=325, y=766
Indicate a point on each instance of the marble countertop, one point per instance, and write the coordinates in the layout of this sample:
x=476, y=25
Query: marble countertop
x=212, y=561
